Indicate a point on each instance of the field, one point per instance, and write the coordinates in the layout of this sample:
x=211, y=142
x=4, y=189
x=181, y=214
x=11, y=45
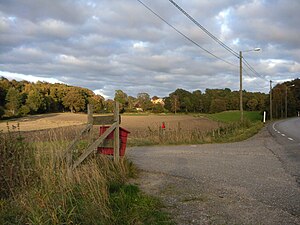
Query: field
x=145, y=129
x=136, y=123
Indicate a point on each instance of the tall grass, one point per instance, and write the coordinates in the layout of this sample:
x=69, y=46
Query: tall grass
x=17, y=168
x=97, y=193
x=226, y=132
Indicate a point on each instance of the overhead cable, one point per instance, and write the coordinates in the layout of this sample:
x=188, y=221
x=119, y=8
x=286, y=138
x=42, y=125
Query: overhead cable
x=185, y=36
x=205, y=30
x=258, y=84
x=253, y=70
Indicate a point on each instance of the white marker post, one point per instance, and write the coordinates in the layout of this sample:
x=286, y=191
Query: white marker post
x=264, y=119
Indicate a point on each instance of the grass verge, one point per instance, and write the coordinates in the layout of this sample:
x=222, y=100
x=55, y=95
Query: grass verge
x=229, y=130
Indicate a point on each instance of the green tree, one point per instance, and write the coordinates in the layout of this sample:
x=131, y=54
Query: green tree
x=122, y=98
x=217, y=105
x=252, y=104
x=144, y=101
x=98, y=102
x=13, y=99
x=36, y=101
x=132, y=101
x=175, y=103
x=109, y=105
x=197, y=101
x=24, y=110
x=74, y=100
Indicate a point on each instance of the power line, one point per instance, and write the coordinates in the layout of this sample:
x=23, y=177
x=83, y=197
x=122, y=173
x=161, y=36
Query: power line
x=185, y=36
x=252, y=69
x=205, y=30
x=259, y=85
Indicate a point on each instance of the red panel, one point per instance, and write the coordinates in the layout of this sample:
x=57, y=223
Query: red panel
x=123, y=140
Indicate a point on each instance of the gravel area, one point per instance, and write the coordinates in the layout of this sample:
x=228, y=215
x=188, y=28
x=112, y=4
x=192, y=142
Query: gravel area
x=236, y=183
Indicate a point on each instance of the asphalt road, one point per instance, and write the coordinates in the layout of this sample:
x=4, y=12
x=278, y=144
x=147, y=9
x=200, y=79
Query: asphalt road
x=248, y=182
x=287, y=134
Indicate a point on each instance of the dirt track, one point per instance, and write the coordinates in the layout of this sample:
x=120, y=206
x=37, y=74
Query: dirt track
x=236, y=183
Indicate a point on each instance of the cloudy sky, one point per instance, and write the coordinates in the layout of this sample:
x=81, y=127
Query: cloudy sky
x=106, y=45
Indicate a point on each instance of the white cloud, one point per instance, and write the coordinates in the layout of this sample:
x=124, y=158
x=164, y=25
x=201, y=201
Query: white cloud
x=31, y=78
x=101, y=92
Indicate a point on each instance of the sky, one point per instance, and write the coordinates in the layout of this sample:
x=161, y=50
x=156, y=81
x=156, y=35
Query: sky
x=108, y=45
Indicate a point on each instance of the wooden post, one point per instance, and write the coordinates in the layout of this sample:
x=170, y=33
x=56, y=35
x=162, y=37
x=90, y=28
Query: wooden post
x=90, y=114
x=117, y=133
x=90, y=122
x=93, y=146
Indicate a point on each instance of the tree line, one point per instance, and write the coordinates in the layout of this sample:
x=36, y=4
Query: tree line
x=19, y=98
x=285, y=99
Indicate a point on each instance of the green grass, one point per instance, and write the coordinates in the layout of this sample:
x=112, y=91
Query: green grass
x=234, y=116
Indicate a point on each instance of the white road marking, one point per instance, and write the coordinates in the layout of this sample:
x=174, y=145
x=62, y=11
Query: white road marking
x=291, y=139
x=283, y=135
x=278, y=132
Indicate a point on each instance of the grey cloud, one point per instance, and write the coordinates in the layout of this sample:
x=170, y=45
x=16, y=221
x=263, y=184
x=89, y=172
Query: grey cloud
x=108, y=45
x=67, y=10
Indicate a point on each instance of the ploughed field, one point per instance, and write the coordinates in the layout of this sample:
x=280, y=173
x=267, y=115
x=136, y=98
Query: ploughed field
x=133, y=123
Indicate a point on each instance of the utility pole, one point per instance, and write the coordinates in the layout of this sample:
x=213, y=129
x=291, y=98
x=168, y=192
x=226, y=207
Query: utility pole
x=241, y=86
x=241, y=80
x=271, y=107
x=286, y=101
x=286, y=92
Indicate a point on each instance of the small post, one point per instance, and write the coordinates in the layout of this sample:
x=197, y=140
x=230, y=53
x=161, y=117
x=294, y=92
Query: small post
x=90, y=121
x=286, y=103
x=117, y=133
x=264, y=119
x=271, y=107
x=90, y=113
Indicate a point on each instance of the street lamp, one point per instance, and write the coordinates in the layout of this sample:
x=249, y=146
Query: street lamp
x=286, y=89
x=241, y=79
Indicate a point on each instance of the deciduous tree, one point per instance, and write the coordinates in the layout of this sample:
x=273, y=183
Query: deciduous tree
x=74, y=100
x=13, y=99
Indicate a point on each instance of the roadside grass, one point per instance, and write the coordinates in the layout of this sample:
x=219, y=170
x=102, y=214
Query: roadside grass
x=35, y=188
x=230, y=129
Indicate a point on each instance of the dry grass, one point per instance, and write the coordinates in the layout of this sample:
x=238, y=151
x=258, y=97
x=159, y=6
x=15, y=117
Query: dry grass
x=45, y=121
x=132, y=123
x=39, y=191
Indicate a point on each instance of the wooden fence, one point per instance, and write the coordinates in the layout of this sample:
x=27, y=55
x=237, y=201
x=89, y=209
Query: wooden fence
x=113, y=120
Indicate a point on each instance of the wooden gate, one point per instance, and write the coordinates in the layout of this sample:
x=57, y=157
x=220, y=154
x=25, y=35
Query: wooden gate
x=113, y=120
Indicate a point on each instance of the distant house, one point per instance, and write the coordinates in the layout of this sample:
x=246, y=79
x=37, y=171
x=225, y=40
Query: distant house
x=158, y=101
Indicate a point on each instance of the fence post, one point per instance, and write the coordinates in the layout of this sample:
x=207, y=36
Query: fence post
x=90, y=122
x=90, y=113
x=117, y=133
